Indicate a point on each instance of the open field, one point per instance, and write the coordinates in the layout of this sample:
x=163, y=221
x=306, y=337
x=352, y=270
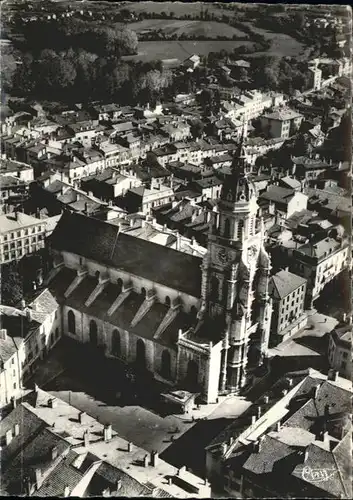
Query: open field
x=209, y=29
x=281, y=45
x=149, y=51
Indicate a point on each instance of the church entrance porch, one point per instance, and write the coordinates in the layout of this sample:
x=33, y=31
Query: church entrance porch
x=192, y=375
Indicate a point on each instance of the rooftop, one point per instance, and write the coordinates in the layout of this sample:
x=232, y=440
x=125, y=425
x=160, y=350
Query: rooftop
x=285, y=283
x=102, y=242
x=16, y=221
x=282, y=115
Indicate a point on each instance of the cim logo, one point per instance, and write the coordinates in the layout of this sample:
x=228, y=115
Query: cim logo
x=317, y=475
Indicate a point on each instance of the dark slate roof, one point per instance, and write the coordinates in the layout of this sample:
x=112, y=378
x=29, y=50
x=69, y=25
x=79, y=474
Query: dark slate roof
x=109, y=476
x=64, y=475
x=272, y=452
x=102, y=242
x=278, y=194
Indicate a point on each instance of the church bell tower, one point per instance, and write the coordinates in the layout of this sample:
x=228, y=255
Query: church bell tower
x=235, y=277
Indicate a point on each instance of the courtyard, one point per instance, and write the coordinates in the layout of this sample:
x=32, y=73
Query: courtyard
x=133, y=408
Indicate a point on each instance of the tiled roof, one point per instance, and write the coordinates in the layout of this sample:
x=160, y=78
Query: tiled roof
x=320, y=249
x=272, y=451
x=290, y=182
x=38, y=453
x=282, y=114
x=10, y=222
x=102, y=242
x=64, y=475
x=278, y=194
x=286, y=282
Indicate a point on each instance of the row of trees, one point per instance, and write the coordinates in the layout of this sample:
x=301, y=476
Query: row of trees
x=60, y=35
x=78, y=76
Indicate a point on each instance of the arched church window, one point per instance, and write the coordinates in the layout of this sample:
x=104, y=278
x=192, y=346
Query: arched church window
x=167, y=301
x=116, y=344
x=226, y=232
x=214, y=288
x=71, y=322
x=143, y=292
x=97, y=275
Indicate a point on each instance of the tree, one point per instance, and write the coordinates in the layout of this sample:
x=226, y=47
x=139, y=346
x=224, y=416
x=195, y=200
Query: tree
x=56, y=73
x=11, y=285
x=197, y=128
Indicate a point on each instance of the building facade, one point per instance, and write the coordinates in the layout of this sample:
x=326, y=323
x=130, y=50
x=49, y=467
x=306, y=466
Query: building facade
x=320, y=263
x=340, y=350
x=288, y=294
x=20, y=234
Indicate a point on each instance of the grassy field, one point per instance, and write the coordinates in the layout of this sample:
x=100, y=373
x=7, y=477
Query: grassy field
x=149, y=51
x=209, y=29
x=281, y=45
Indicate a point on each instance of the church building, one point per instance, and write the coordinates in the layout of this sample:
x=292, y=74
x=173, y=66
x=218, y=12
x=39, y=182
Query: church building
x=197, y=324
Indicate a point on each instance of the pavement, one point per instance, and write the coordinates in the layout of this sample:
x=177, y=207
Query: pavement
x=142, y=426
x=135, y=419
x=307, y=342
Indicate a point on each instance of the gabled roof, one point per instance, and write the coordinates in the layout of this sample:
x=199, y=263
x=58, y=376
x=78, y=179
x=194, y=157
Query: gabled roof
x=102, y=242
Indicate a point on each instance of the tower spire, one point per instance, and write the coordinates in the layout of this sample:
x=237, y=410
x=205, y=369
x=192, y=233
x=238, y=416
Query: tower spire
x=239, y=160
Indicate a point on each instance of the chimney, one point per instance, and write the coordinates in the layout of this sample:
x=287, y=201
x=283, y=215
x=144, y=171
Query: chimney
x=224, y=448
x=327, y=410
x=82, y=417
x=66, y=491
x=316, y=391
x=258, y=444
x=16, y=429
x=278, y=426
x=145, y=461
x=38, y=476
x=322, y=435
x=131, y=222
x=29, y=314
x=332, y=375
x=86, y=438
x=306, y=455
x=266, y=399
x=107, y=433
x=3, y=334
x=23, y=304
x=258, y=411
x=118, y=485
x=253, y=419
x=290, y=382
x=181, y=470
x=284, y=392
x=170, y=481
x=178, y=237
x=130, y=447
x=54, y=453
x=8, y=437
x=52, y=403
x=154, y=458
